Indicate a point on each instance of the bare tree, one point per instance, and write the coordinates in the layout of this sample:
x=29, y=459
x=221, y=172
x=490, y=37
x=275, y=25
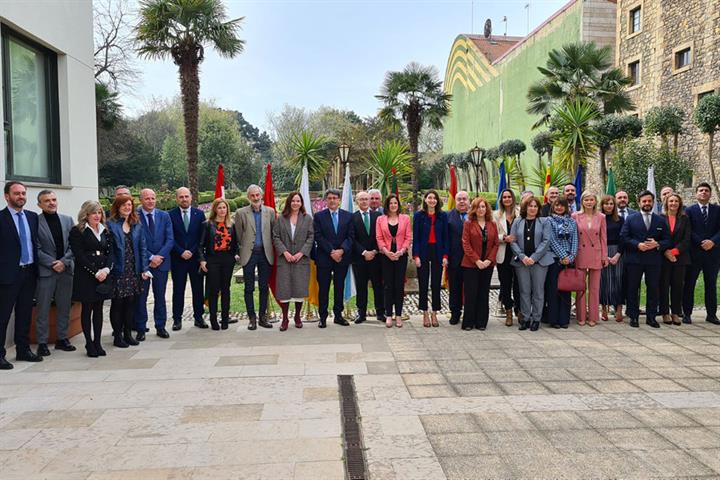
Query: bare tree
x=115, y=64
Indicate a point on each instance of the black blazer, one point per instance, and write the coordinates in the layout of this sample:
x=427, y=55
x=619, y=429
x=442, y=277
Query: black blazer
x=634, y=232
x=680, y=239
x=206, y=249
x=455, y=232
x=701, y=230
x=91, y=255
x=10, y=245
x=363, y=241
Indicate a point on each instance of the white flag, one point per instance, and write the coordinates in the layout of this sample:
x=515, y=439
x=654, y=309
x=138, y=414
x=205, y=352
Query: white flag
x=651, y=188
x=347, y=204
x=305, y=190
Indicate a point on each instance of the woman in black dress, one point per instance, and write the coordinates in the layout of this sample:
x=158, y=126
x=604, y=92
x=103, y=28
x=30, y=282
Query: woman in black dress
x=611, y=280
x=92, y=245
x=130, y=267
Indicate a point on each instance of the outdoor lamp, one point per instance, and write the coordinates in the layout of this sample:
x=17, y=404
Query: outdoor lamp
x=344, y=150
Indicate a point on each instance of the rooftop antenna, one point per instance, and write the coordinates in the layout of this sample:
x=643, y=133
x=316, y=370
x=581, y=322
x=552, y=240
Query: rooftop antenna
x=527, y=7
x=505, y=22
x=488, y=29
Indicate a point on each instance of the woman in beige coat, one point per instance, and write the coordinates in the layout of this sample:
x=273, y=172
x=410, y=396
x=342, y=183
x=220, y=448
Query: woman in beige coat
x=506, y=214
x=293, y=239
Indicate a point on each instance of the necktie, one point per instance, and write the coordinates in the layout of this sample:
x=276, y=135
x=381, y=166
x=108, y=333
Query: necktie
x=464, y=217
x=705, y=213
x=151, y=224
x=622, y=213
x=366, y=221
x=335, y=221
x=24, y=252
x=186, y=220
x=647, y=221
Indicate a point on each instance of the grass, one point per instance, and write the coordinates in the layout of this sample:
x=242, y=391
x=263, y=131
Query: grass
x=699, y=293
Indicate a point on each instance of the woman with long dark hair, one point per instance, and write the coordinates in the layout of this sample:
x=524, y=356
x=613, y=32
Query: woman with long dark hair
x=430, y=252
x=611, y=280
x=293, y=239
x=504, y=217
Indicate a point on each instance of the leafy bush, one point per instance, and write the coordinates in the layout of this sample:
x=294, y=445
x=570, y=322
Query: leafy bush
x=242, y=202
x=206, y=197
x=231, y=205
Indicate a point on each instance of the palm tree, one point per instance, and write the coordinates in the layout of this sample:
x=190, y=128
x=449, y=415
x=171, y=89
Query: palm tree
x=308, y=150
x=391, y=155
x=414, y=97
x=707, y=119
x=181, y=30
x=579, y=70
x=575, y=136
x=107, y=106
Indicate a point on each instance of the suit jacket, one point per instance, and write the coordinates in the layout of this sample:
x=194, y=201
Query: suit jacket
x=162, y=241
x=592, y=241
x=245, y=232
x=472, y=244
x=421, y=233
x=403, y=239
x=700, y=231
x=303, y=240
x=46, y=246
x=326, y=240
x=455, y=236
x=545, y=210
x=499, y=218
x=680, y=240
x=543, y=254
x=186, y=240
x=10, y=244
x=628, y=211
x=634, y=232
x=142, y=259
x=206, y=248
x=363, y=240
x=91, y=255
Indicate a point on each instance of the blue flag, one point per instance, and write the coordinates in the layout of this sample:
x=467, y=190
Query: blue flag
x=502, y=184
x=578, y=186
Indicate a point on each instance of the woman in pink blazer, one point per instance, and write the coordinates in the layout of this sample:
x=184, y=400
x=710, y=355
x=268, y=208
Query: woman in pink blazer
x=591, y=256
x=394, y=239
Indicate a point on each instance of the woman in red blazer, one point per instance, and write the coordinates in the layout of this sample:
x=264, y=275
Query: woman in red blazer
x=591, y=256
x=480, y=244
x=394, y=239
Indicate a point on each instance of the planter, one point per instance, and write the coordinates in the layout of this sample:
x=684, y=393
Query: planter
x=74, y=326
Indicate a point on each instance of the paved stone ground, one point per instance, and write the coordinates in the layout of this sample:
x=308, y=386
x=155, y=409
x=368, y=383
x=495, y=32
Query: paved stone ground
x=603, y=402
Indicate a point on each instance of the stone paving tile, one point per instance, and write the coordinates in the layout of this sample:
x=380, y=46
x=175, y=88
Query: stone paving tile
x=484, y=467
x=601, y=419
x=663, y=385
x=614, y=386
x=653, y=417
x=557, y=420
x=418, y=468
x=709, y=417
x=523, y=388
x=460, y=444
x=636, y=439
x=673, y=463
x=569, y=387
x=578, y=440
x=477, y=389
x=502, y=422
x=431, y=391
x=457, y=423
x=708, y=456
x=227, y=361
x=690, y=437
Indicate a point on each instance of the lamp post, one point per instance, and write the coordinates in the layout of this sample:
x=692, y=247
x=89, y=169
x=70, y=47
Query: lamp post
x=344, y=151
x=476, y=156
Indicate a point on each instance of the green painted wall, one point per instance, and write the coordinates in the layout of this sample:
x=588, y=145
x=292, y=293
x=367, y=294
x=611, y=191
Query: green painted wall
x=495, y=111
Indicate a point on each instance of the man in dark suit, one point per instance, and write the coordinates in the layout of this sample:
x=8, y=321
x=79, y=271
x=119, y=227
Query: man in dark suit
x=456, y=222
x=621, y=200
x=704, y=252
x=187, y=228
x=334, y=236
x=158, y=232
x=375, y=200
x=18, y=271
x=646, y=236
x=570, y=193
x=55, y=273
x=552, y=194
x=366, y=261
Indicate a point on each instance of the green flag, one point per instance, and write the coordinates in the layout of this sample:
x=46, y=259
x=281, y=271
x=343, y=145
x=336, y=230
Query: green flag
x=610, y=190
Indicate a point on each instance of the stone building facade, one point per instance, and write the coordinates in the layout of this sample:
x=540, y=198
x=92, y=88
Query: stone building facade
x=672, y=50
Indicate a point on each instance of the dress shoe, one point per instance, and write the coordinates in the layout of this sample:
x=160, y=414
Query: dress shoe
x=253, y=324
x=90, y=350
x=162, y=333
x=214, y=324
x=359, y=320
x=65, y=345
x=120, y=342
x=454, y=319
x=264, y=323
x=687, y=319
x=177, y=326
x=482, y=329
x=5, y=365
x=127, y=338
x=201, y=323
x=28, y=356
x=534, y=326
x=652, y=323
x=713, y=320
x=555, y=325
x=467, y=328
x=43, y=350
x=99, y=349
x=381, y=318
x=224, y=324
x=341, y=321
x=233, y=320
x=140, y=337
x=523, y=325
x=634, y=323
x=322, y=323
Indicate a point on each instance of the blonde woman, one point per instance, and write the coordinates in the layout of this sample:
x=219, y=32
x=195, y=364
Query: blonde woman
x=506, y=214
x=592, y=256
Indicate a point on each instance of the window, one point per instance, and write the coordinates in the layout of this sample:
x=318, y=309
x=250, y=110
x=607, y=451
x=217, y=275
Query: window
x=634, y=72
x=682, y=58
x=635, y=20
x=704, y=94
x=30, y=105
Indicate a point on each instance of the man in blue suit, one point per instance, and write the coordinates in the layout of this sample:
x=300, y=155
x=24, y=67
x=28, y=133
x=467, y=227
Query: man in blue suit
x=18, y=271
x=158, y=231
x=456, y=222
x=705, y=253
x=646, y=236
x=334, y=236
x=187, y=228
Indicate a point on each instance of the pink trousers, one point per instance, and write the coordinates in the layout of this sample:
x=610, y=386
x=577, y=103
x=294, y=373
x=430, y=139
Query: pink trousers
x=592, y=304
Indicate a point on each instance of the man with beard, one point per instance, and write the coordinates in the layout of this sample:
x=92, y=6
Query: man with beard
x=570, y=192
x=621, y=199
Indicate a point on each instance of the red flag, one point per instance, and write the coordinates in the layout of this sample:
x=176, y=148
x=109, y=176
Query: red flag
x=394, y=185
x=269, y=201
x=453, y=189
x=547, y=184
x=220, y=183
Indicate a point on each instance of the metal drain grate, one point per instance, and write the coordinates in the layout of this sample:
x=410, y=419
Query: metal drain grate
x=354, y=452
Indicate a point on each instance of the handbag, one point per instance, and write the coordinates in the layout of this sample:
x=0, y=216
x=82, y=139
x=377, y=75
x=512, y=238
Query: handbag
x=106, y=289
x=571, y=279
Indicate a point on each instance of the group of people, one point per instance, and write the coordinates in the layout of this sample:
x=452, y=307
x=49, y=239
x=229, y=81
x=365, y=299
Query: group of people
x=123, y=253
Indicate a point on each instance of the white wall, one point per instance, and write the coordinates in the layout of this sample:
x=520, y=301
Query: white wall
x=66, y=27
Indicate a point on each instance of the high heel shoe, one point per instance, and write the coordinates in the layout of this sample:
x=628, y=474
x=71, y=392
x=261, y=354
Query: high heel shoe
x=284, y=324
x=91, y=351
x=298, y=320
x=426, y=320
x=434, y=320
x=667, y=320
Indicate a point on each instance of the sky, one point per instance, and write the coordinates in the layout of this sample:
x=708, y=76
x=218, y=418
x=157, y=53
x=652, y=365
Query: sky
x=310, y=53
